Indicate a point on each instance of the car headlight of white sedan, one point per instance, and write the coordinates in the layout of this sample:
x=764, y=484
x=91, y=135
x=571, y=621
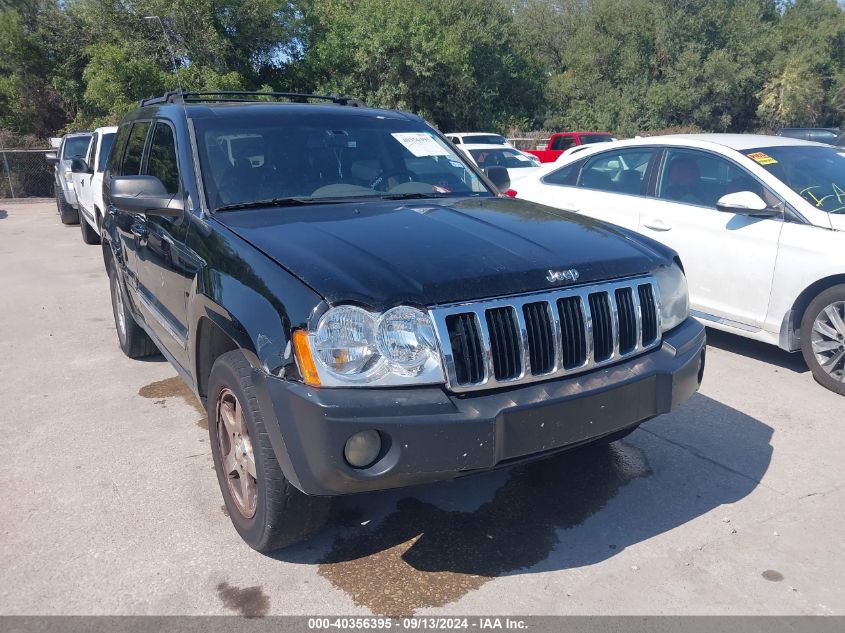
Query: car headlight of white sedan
x=674, y=296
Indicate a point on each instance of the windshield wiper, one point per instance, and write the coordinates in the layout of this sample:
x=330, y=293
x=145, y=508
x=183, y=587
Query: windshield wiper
x=418, y=196
x=273, y=202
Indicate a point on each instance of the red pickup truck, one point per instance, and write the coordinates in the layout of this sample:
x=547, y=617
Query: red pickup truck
x=561, y=141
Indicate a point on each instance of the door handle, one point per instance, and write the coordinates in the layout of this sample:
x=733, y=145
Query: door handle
x=656, y=224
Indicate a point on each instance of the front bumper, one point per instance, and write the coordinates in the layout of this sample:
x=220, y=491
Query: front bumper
x=434, y=435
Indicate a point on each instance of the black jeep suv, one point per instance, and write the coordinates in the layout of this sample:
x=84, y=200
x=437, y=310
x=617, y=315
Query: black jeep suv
x=359, y=308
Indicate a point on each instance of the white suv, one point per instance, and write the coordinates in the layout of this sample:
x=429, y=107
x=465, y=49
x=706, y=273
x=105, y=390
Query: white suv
x=758, y=221
x=88, y=183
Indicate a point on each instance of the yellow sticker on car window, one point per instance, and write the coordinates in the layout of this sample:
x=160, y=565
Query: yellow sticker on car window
x=762, y=159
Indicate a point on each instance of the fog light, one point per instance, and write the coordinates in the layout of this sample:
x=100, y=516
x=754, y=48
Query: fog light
x=362, y=448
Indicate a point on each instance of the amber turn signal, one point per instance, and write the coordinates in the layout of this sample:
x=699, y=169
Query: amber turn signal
x=304, y=358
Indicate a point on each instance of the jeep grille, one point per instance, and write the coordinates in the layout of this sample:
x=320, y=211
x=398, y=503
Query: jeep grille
x=514, y=340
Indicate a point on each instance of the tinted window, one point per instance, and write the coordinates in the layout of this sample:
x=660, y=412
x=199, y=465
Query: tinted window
x=586, y=139
x=563, y=142
x=76, y=146
x=105, y=149
x=505, y=157
x=621, y=171
x=565, y=175
x=485, y=139
x=162, y=160
x=700, y=178
x=134, y=150
x=822, y=136
x=116, y=156
x=815, y=173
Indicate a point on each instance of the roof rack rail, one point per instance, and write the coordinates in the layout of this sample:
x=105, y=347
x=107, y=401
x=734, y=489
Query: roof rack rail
x=245, y=96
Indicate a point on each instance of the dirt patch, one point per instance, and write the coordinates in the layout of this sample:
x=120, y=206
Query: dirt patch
x=250, y=602
x=174, y=387
x=422, y=556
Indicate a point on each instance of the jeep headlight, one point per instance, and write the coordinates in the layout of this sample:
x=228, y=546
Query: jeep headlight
x=351, y=346
x=674, y=296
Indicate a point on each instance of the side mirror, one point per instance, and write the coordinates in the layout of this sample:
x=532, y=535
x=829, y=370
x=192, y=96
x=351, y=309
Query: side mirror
x=52, y=158
x=144, y=194
x=744, y=203
x=79, y=166
x=499, y=177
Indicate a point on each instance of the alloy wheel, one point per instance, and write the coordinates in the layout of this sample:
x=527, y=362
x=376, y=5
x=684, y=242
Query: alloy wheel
x=236, y=454
x=828, y=340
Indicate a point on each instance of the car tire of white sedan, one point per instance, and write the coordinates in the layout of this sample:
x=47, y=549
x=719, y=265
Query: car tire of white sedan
x=268, y=512
x=823, y=338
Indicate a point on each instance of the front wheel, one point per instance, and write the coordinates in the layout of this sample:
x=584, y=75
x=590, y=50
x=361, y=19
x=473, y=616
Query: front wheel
x=265, y=508
x=823, y=338
x=133, y=340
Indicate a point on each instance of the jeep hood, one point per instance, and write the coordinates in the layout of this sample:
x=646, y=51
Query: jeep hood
x=427, y=252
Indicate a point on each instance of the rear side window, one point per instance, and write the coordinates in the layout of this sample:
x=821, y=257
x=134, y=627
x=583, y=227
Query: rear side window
x=565, y=175
x=162, y=161
x=563, y=142
x=134, y=150
x=116, y=156
x=620, y=171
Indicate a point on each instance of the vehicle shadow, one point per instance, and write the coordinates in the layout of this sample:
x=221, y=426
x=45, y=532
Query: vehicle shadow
x=395, y=552
x=757, y=350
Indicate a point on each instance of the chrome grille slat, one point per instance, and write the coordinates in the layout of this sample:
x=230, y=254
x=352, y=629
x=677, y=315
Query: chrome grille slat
x=639, y=300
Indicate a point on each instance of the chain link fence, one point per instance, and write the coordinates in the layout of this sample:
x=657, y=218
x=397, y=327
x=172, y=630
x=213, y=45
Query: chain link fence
x=25, y=173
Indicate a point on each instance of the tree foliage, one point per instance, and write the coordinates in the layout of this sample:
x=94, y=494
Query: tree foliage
x=625, y=66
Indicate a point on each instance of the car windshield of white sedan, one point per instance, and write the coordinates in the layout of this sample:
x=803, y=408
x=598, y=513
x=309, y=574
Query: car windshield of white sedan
x=817, y=174
x=510, y=158
x=247, y=158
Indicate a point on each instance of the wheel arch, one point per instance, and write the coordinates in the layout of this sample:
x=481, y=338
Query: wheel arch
x=211, y=341
x=790, y=331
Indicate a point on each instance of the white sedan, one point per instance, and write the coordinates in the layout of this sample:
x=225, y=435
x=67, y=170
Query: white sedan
x=758, y=222
x=519, y=164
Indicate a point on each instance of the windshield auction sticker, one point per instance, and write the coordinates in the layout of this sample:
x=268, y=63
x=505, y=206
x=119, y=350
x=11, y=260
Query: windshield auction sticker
x=762, y=159
x=420, y=144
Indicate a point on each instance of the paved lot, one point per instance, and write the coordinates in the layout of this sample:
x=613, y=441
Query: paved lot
x=734, y=504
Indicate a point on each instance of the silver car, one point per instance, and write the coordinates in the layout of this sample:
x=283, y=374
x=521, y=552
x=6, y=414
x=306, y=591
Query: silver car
x=72, y=146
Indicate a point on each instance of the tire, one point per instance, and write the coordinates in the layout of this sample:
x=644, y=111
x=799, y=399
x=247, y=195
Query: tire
x=89, y=235
x=67, y=213
x=275, y=514
x=131, y=337
x=823, y=338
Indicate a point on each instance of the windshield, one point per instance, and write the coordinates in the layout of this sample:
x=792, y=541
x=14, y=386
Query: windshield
x=586, y=139
x=105, y=148
x=510, y=158
x=251, y=157
x=485, y=139
x=76, y=147
x=817, y=174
